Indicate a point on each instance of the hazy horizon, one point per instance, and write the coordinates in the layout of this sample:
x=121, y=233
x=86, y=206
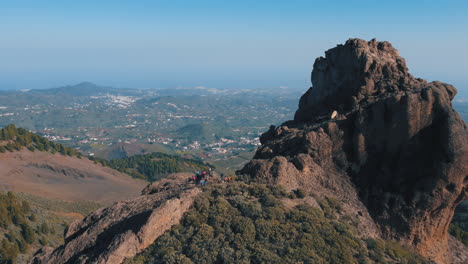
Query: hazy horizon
x=159, y=44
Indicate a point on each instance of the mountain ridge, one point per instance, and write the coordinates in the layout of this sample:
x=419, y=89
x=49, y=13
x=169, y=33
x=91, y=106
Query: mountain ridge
x=79, y=89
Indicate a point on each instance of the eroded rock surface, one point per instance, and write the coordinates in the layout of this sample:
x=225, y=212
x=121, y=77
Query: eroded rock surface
x=110, y=235
x=387, y=144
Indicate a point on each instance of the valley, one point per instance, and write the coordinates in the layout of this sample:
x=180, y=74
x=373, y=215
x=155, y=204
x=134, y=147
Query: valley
x=210, y=124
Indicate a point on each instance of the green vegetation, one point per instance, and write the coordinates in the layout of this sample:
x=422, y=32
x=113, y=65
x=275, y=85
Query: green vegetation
x=459, y=225
x=28, y=222
x=153, y=166
x=17, y=138
x=248, y=223
x=204, y=131
x=15, y=218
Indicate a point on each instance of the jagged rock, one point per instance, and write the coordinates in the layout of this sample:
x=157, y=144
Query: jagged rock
x=112, y=234
x=397, y=153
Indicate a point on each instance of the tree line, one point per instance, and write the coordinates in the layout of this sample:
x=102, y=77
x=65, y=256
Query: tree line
x=16, y=138
x=153, y=166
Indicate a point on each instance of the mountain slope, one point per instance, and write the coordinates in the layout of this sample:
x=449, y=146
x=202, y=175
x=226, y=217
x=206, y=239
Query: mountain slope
x=57, y=171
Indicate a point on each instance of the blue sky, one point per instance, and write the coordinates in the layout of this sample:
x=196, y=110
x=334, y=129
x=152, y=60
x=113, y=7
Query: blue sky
x=224, y=44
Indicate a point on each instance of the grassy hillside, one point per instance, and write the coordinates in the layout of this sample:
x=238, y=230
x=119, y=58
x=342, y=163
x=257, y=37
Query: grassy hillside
x=149, y=167
x=154, y=166
x=13, y=138
x=250, y=224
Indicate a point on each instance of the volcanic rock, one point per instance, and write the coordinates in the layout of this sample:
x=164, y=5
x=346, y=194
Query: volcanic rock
x=396, y=154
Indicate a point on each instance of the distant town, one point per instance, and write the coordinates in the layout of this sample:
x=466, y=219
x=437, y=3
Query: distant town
x=98, y=121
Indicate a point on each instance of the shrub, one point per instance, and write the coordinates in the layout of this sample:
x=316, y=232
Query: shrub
x=44, y=228
x=8, y=251
x=249, y=224
x=300, y=193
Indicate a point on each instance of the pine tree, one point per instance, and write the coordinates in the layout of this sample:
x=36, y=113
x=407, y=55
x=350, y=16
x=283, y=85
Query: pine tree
x=28, y=233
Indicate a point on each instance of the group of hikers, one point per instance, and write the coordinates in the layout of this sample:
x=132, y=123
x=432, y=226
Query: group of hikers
x=201, y=177
x=226, y=179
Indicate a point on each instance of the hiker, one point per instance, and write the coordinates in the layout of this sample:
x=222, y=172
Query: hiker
x=222, y=177
x=194, y=178
x=203, y=182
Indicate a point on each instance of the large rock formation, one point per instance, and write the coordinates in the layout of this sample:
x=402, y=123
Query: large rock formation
x=386, y=143
x=110, y=235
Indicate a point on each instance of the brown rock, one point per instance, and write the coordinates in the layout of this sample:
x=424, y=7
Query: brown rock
x=398, y=152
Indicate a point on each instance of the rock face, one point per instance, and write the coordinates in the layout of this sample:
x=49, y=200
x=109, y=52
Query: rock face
x=386, y=143
x=110, y=235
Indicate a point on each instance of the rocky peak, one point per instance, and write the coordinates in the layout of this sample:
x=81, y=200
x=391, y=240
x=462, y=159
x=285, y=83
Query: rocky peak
x=356, y=73
x=375, y=137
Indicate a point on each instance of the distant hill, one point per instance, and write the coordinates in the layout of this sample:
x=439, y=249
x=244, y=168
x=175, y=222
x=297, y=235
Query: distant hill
x=83, y=89
x=194, y=132
x=204, y=131
x=32, y=164
x=80, y=89
x=154, y=166
x=123, y=150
